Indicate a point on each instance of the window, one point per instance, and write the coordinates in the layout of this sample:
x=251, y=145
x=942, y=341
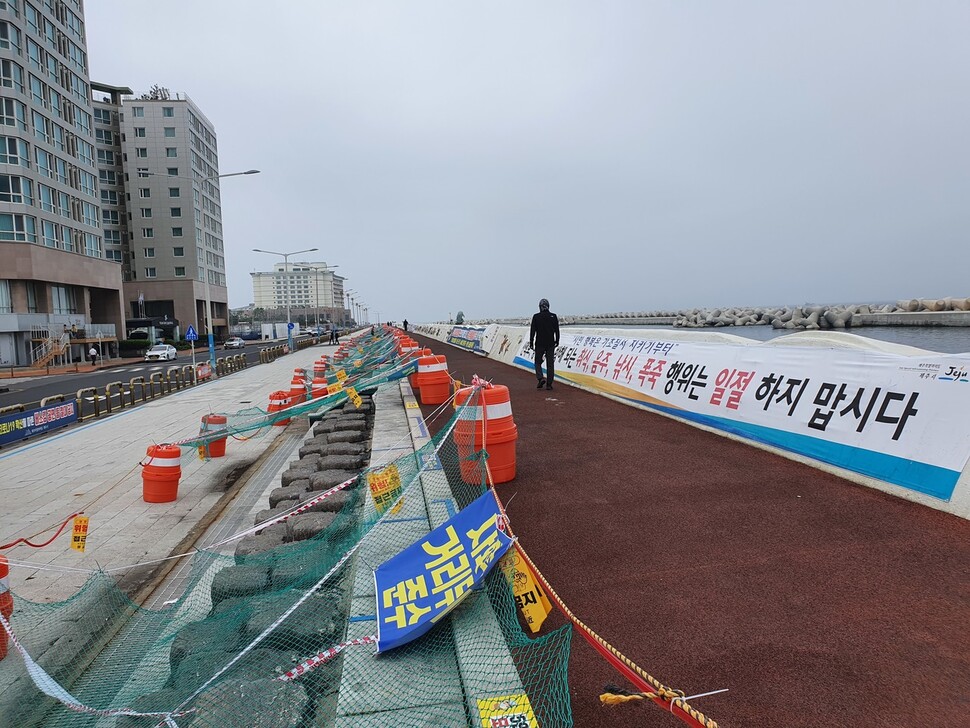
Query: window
x=178, y=252
x=175, y=211
x=168, y=111
x=109, y=197
x=174, y=192
x=173, y=171
x=63, y=299
x=141, y=152
x=13, y=113
x=144, y=192
x=176, y=232
x=110, y=217
x=102, y=116
x=14, y=151
x=171, y=152
x=180, y=271
x=51, y=233
x=16, y=190
x=149, y=252
x=148, y=232
x=11, y=75
x=9, y=37
x=138, y=111
x=6, y=303
x=170, y=132
x=19, y=228
x=139, y=131
x=146, y=212
x=149, y=272
x=106, y=158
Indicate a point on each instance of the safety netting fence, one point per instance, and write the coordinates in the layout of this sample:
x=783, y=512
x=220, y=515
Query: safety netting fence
x=281, y=624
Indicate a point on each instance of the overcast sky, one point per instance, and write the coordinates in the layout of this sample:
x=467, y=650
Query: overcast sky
x=611, y=156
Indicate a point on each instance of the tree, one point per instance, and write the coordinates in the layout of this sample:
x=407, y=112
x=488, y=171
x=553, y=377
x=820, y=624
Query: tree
x=259, y=314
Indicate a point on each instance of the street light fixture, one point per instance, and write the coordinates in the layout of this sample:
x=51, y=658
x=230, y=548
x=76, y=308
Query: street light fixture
x=208, y=295
x=286, y=268
x=350, y=301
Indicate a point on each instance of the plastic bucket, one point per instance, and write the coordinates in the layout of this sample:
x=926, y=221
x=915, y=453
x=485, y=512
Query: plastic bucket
x=161, y=473
x=486, y=424
x=216, y=448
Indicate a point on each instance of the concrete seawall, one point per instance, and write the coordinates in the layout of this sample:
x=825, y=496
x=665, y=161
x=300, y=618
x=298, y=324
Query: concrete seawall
x=916, y=318
x=503, y=343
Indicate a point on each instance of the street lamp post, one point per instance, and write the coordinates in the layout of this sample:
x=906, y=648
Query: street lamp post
x=316, y=281
x=286, y=268
x=208, y=295
x=350, y=301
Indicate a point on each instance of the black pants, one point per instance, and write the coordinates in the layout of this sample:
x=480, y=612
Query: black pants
x=549, y=354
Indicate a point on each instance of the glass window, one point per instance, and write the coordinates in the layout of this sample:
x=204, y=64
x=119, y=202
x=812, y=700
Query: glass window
x=141, y=152
x=149, y=272
x=171, y=152
x=63, y=299
x=176, y=232
x=178, y=251
x=139, y=131
x=14, y=151
x=142, y=171
x=137, y=110
x=19, y=228
x=170, y=132
x=173, y=171
x=148, y=232
x=6, y=302
x=144, y=192
x=12, y=75
x=174, y=192
x=51, y=233
x=146, y=212
x=16, y=190
x=149, y=252
x=168, y=111
x=175, y=211
x=180, y=271
x=13, y=113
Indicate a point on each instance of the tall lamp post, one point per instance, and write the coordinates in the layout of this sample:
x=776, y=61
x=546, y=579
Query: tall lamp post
x=316, y=279
x=208, y=295
x=286, y=268
x=350, y=302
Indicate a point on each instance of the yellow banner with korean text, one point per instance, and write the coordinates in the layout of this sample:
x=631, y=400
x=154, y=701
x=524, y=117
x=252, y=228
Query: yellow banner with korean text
x=531, y=601
x=507, y=711
x=385, y=488
x=79, y=536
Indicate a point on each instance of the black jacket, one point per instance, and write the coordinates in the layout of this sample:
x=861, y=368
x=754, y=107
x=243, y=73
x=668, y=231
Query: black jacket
x=545, y=330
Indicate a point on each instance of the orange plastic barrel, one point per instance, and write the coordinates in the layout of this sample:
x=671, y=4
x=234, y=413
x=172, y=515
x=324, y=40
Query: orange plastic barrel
x=216, y=448
x=160, y=473
x=435, y=382
x=6, y=601
x=279, y=400
x=414, y=379
x=298, y=387
x=486, y=424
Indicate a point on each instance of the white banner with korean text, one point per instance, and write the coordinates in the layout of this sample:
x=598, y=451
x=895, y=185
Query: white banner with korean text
x=900, y=419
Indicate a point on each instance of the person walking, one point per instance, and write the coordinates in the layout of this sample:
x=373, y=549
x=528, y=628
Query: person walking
x=405, y=325
x=544, y=338
x=93, y=355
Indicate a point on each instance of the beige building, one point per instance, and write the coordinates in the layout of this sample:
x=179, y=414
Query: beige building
x=161, y=206
x=54, y=276
x=305, y=288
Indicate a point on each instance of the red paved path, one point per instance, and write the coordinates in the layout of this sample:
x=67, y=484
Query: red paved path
x=713, y=564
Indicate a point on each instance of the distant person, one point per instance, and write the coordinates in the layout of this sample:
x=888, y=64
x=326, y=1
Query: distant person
x=333, y=335
x=73, y=331
x=405, y=324
x=544, y=338
x=93, y=355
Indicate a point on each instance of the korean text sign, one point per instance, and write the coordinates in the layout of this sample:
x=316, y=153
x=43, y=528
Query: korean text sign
x=17, y=426
x=901, y=419
x=419, y=586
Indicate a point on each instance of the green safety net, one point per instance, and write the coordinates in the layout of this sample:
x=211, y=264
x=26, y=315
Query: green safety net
x=215, y=654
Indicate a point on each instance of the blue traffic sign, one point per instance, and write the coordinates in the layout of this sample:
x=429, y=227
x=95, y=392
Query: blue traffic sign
x=289, y=326
x=190, y=334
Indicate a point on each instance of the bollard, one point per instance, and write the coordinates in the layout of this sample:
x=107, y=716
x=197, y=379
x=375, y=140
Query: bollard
x=488, y=426
x=216, y=448
x=433, y=380
x=6, y=601
x=161, y=473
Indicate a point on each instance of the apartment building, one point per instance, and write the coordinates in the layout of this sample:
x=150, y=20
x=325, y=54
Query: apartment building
x=161, y=207
x=304, y=287
x=58, y=290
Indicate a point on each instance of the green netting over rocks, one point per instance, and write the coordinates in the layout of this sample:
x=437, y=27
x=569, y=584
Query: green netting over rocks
x=295, y=585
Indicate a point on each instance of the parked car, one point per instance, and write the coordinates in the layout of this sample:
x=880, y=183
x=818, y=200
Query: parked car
x=234, y=343
x=161, y=352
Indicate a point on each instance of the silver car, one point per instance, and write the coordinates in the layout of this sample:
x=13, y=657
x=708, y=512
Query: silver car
x=161, y=352
x=234, y=343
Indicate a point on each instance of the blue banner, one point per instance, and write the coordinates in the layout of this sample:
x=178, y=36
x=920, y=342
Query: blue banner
x=20, y=425
x=420, y=585
x=468, y=338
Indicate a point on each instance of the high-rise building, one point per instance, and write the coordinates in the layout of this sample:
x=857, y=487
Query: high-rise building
x=58, y=291
x=162, y=213
x=303, y=287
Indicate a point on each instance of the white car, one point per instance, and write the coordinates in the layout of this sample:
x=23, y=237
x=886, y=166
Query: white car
x=234, y=343
x=161, y=352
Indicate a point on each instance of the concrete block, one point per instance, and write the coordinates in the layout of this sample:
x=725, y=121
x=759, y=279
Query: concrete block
x=293, y=492
x=262, y=703
x=308, y=525
x=219, y=632
x=240, y=580
x=326, y=479
x=249, y=546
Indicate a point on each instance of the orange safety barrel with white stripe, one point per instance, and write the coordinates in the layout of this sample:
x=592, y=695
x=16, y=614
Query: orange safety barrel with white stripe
x=279, y=400
x=433, y=379
x=161, y=472
x=6, y=601
x=486, y=424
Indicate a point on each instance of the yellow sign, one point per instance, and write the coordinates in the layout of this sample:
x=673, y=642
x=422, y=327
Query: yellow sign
x=529, y=597
x=80, y=535
x=385, y=488
x=507, y=711
x=454, y=399
x=341, y=374
x=334, y=388
x=411, y=404
x=357, y=363
x=354, y=397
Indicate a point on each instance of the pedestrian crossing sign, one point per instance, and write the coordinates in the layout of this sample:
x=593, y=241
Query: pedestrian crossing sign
x=190, y=334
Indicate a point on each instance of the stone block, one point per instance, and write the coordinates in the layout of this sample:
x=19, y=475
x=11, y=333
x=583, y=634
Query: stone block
x=260, y=703
x=293, y=492
x=238, y=581
x=326, y=479
x=250, y=546
x=308, y=525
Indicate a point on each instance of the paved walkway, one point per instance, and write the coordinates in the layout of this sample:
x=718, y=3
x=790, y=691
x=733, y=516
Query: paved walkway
x=94, y=468
x=713, y=564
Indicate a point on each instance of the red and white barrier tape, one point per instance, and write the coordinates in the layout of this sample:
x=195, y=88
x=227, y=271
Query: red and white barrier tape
x=325, y=656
